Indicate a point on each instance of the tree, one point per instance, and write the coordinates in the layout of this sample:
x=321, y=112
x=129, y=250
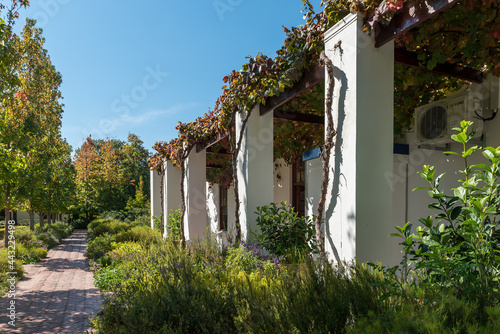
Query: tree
x=109, y=173
x=31, y=114
x=87, y=166
x=135, y=165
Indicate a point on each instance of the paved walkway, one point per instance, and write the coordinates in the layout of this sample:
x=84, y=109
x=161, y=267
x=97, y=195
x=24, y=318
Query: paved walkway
x=57, y=294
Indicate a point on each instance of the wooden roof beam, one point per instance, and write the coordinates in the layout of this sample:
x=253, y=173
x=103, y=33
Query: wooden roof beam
x=304, y=118
x=411, y=59
x=411, y=15
x=310, y=78
x=220, y=151
x=212, y=141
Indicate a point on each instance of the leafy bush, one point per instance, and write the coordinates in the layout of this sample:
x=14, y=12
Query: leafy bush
x=249, y=258
x=284, y=233
x=202, y=289
x=30, y=254
x=142, y=233
x=24, y=235
x=5, y=268
x=61, y=229
x=463, y=254
x=446, y=315
x=174, y=225
x=102, y=226
x=142, y=220
x=49, y=239
x=99, y=246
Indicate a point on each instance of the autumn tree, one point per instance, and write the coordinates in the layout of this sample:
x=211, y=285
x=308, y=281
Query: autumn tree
x=109, y=174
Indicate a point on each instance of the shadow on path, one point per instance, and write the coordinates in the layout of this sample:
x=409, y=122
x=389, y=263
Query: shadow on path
x=57, y=295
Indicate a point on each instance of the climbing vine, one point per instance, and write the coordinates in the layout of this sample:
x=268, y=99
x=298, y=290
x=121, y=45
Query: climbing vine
x=467, y=34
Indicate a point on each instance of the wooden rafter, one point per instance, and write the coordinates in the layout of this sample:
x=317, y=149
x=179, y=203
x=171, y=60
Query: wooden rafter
x=410, y=59
x=207, y=143
x=214, y=166
x=220, y=151
x=310, y=78
x=304, y=118
x=412, y=14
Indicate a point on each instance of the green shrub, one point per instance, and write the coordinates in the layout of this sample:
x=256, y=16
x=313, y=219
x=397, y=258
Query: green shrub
x=142, y=220
x=100, y=227
x=24, y=235
x=458, y=249
x=30, y=254
x=188, y=291
x=99, y=246
x=284, y=233
x=48, y=239
x=174, y=225
x=446, y=315
x=61, y=229
x=5, y=267
x=143, y=234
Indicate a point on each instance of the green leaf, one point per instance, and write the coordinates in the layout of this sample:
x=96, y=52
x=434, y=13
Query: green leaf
x=482, y=166
x=455, y=212
x=451, y=153
x=421, y=188
x=460, y=138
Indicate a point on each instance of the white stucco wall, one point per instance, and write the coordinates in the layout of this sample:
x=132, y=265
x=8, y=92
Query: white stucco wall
x=255, y=168
x=314, y=177
x=358, y=215
x=282, y=182
x=171, y=191
x=195, y=219
x=155, y=180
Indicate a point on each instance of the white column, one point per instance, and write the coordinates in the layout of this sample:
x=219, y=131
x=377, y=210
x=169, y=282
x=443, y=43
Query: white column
x=213, y=214
x=195, y=218
x=171, y=191
x=155, y=180
x=314, y=177
x=255, y=168
x=359, y=206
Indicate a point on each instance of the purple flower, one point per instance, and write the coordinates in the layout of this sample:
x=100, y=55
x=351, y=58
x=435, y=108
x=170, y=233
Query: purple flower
x=135, y=268
x=163, y=270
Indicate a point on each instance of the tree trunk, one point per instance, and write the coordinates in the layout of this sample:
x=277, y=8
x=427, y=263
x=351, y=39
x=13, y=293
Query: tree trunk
x=6, y=231
x=42, y=218
x=162, y=205
x=329, y=143
x=32, y=220
x=183, y=205
x=7, y=215
x=49, y=218
x=235, y=148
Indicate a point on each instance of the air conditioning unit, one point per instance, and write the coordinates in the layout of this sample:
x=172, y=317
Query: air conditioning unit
x=434, y=121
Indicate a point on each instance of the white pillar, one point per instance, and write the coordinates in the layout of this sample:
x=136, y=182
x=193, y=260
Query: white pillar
x=213, y=204
x=171, y=191
x=155, y=179
x=195, y=218
x=255, y=168
x=359, y=206
x=314, y=177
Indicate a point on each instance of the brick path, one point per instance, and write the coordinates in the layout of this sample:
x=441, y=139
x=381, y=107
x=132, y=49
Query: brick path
x=57, y=294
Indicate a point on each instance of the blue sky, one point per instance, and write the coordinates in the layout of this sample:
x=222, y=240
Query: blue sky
x=141, y=67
